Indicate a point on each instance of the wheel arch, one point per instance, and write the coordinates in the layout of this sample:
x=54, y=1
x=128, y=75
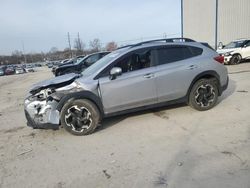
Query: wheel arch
x=82, y=95
x=207, y=75
x=237, y=53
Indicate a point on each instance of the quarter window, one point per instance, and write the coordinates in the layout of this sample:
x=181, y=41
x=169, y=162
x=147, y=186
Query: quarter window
x=177, y=53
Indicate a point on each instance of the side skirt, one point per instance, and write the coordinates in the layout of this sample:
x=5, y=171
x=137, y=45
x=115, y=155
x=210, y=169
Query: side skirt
x=158, y=105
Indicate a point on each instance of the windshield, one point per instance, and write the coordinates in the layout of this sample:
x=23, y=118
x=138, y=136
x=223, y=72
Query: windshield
x=80, y=60
x=100, y=63
x=235, y=44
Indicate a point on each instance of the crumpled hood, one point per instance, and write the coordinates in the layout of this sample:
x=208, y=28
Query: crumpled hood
x=56, y=82
x=223, y=51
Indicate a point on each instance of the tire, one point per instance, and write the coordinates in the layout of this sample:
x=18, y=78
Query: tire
x=80, y=117
x=204, y=94
x=236, y=59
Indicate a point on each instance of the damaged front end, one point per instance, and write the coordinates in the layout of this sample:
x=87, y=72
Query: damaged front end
x=41, y=104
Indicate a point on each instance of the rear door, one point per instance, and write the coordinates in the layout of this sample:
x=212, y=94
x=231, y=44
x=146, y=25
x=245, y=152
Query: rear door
x=134, y=88
x=177, y=66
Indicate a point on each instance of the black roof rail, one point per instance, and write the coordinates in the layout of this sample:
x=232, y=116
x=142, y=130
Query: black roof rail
x=125, y=46
x=165, y=40
x=180, y=39
x=159, y=40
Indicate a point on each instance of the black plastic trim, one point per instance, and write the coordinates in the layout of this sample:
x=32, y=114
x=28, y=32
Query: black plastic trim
x=81, y=95
x=204, y=75
x=158, y=105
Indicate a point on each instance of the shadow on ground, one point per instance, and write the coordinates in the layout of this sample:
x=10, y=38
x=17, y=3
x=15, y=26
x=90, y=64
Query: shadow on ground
x=228, y=92
x=111, y=121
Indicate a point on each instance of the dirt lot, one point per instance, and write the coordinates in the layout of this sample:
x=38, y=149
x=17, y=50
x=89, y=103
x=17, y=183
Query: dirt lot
x=168, y=147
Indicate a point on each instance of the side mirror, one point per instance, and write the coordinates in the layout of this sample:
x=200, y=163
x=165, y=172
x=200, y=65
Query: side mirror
x=114, y=72
x=220, y=46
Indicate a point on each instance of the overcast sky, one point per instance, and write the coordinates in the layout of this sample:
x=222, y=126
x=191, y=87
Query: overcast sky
x=42, y=24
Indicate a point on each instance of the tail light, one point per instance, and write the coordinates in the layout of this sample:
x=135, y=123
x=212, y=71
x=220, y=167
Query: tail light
x=219, y=59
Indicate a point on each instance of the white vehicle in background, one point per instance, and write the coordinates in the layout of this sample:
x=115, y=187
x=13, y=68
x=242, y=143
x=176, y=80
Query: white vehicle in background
x=29, y=68
x=19, y=70
x=235, y=51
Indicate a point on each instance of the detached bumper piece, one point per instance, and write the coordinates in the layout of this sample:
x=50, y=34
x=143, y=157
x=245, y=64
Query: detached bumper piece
x=35, y=125
x=42, y=114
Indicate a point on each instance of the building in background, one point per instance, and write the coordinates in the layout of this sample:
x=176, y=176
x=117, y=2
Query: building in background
x=215, y=21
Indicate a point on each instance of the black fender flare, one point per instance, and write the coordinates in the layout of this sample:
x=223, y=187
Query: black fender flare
x=205, y=74
x=81, y=95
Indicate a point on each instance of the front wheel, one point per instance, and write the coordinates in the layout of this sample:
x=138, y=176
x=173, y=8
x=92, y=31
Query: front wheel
x=80, y=117
x=236, y=59
x=204, y=94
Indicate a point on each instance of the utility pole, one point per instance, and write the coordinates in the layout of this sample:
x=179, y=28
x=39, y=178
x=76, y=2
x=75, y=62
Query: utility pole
x=70, y=45
x=79, y=41
x=25, y=60
x=216, y=25
x=181, y=18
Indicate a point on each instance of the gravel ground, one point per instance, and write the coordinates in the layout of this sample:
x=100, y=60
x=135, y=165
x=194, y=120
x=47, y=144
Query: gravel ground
x=174, y=147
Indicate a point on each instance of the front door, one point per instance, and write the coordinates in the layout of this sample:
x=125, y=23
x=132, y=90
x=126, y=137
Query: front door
x=134, y=88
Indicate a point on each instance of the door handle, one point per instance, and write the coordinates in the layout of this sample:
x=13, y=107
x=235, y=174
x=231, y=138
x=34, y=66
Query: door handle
x=149, y=75
x=191, y=67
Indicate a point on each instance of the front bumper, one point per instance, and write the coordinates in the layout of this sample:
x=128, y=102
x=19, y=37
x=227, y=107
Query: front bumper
x=227, y=59
x=42, y=114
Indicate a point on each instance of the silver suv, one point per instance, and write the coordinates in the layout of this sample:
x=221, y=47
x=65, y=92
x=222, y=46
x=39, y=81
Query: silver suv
x=136, y=77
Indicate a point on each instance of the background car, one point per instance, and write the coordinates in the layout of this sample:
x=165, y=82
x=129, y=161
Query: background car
x=78, y=65
x=63, y=62
x=1, y=71
x=235, y=51
x=50, y=65
x=29, y=68
x=19, y=70
x=9, y=70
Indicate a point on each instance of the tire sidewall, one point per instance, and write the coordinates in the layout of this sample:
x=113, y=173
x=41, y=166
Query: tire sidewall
x=192, y=101
x=90, y=106
x=232, y=61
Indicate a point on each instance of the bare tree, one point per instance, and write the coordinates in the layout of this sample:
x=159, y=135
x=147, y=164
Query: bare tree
x=53, y=50
x=79, y=45
x=111, y=46
x=17, y=53
x=95, y=45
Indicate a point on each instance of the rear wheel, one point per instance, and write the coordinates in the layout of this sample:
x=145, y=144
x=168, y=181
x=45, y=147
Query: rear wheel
x=204, y=94
x=80, y=117
x=236, y=59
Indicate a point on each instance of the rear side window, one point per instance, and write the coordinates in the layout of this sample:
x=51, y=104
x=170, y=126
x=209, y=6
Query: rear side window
x=177, y=53
x=195, y=51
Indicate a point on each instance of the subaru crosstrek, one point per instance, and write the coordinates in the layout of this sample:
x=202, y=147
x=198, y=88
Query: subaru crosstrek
x=136, y=77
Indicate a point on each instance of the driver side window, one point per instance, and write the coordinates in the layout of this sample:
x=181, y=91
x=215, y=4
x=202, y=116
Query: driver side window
x=135, y=61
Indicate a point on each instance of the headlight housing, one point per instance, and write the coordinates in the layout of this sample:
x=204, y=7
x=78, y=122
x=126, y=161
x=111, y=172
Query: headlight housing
x=227, y=54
